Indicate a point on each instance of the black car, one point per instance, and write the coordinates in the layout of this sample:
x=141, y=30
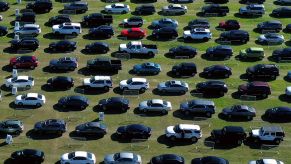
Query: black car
x=252, y=1
x=216, y=1
x=63, y=46
x=282, y=12
x=263, y=71
x=278, y=113
x=183, y=51
x=221, y=51
x=103, y=31
x=78, y=7
x=40, y=6
x=61, y=82
x=229, y=135
x=25, y=43
x=147, y=9
x=91, y=128
x=50, y=126
x=97, y=47
x=28, y=156
x=75, y=102
x=97, y=19
x=199, y=23
x=282, y=54
x=4, y=6
x=114, y=103
x=239, y=36
x=239, y=111
x=3, y=30
x=184, y=69
x=215, y=71
x=215, y=9
x=167, y=159
x=26, y=17
x=59, y=19
x=212, y=87
x=209, y=160
x=272, y=25
x=134, y=131
x=165, y=33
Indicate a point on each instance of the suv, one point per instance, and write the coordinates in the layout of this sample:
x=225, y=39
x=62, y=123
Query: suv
x=103, y=82
x=270, y=26
x=263, y=70
x=240, y=36
x=28, y=29
x=40, y=6
x=24, y=62
x=215, y=9
x=282, y=54
x=230, y=24
x=212, y=87
x=26, y=17
x=206, y=107
x=78, y=7
x=268, y=134
x=184, y=69
x=255, y=88
x=198, y=23
x=51, y=126
x=67, y=28
x=184, y=131
x=252, y=52
x=145, y=9
x=252, y=10
x=229, y=134
x=197, y=34
x=140, y=84
x=221, y=51
x=25, y=43
x=64, y=63
x=11, y=127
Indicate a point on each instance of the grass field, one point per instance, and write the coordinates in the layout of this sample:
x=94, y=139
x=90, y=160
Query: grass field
x=55, y=147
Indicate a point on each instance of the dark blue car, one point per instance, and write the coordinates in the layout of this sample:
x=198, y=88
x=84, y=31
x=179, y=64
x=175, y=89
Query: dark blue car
x=147, y=68
x=136, y=131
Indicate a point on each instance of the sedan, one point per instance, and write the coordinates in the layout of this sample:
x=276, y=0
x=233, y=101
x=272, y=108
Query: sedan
x=80, y=102
x=165, y=33
x=20, y=82
x=117, y=8
x=278, y=113
x=183, y=51
x=174, y=9
x=60, y=82
x=209, y=159
x=91, y=128
x=239, y=111
x=164, y=22
x=217, y=71
x=78, y=157
x=167, y=158
x=122, y=157
x=28, y=156
x=115, y=103
x=271, y=38
x=147, y=68
x=63, y=46
x=34, y=99
x=173, y=86
x=11, y=127
x=157, y=105
x=134, y=131
x=136, y=33
x=97, y=47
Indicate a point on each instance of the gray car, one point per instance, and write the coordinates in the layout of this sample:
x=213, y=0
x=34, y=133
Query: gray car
x=122, y=158
x=28, y=29
x=239, y=111
x=206, y=107
x=64, y=63
x=157, y=105
x=173, y=9
x=271, y=38
x=11, y=127
x=165, y=22
x=175, y=86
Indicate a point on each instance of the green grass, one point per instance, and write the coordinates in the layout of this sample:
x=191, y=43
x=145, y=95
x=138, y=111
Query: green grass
x=54, y=148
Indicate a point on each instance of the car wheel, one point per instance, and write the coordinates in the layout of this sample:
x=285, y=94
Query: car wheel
x=32, y=67
x=221, y=93
x=277, y=141
x=82, y=106
x=27, y=87
x=123, y=12
x=205, y=39
x=164, y=91
x=229, y=116
x=208, y=114
x=106, y=88
x=38, y=104
x=104, y=107
x=273, y=77
x=139, y=25
x=125, y=88
x=226, y=75
x=194, y=139
x=144, y=136
x=249, y=118
x=164, y=111
x=83, y=11
x=155, y=73
x=239, y=142
x=74, y=34
x=17, y=132
x=142, y=90
x=187, y=112
x=172, y=138
x=182, y=92
x=264, y=95
x=20, y=104
x=72, y=68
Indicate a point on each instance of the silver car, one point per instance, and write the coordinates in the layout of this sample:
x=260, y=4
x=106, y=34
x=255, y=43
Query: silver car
x=271, y=38
x=122, y=157
x=175, y=86
x=164, y=22
x=174, y=9
x=157, y=105
x=28, y=29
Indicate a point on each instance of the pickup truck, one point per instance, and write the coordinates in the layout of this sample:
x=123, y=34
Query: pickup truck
x=97, y=19
x=104, y=64
x=136, y=47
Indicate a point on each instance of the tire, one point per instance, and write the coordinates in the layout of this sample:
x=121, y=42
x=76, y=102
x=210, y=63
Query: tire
x=104, y=107
x=57, y=33
x=20, y=104
x=264, y=95
x=27, y=87
x=83, y=11
x=226, y=75
x=164, y=112
x=82, y=107
x=139, y=25
x=172, y=138
x=229, y=116
x=163, y=91
x=239, y=142
x=17, y=132
x=32, y=67
x=123, y=12
x=194, y=139
x=183, y=92
x=273, y=77
x=208, y=114
x=125, y=88
x=142, y=90
x=38, y=104
x=74, y=34
x=205, y=39
x=249, y=117
x=71, y=68
x=187, y=112
x=277, y=141
x=106, y=88
x=221, y=93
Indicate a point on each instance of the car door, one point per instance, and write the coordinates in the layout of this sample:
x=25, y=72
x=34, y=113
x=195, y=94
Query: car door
x=267, y=136
x=79, y=160
x=156, y=107
x=30, y=101
x=135, y=85
x=187, y=134
x=198, y=108
x=20, y=83
x=98, y=83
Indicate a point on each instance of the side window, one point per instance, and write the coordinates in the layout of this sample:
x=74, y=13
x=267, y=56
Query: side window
x=266, y=133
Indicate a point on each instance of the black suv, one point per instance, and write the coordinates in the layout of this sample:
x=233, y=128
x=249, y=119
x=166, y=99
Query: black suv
x=184, y=69
x=145, y=9
x=3, y=30
x=55, y=126
x=63, y=46
x=59, y=19
x=40, y=6
x=216, y=1
x=26, y=17
x=25, y=43
x=239, y=36
x=182, y=51
x=4, y=6
x=73, y=102
x=255, y=88
x=78, y=7
x=165, y=33
x=212, y=87
x=252, y=1
x=97, y=47
x=263, y=71
x=272, y=26
x=199, y=23
x=284, y=12
x=103, y=31
x=135, y=131
x=221, y=51
x=61, y=82
x=229, y=135
x=215, y=9
x=282, y=54
x=97, y=19
x=114, y=103
x=215, y=71
x=205, y=107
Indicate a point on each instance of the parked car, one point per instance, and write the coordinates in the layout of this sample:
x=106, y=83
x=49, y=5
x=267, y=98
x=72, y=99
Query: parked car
x=155, y=105
x=50, y=126
x=252, y=1
x=28, y=155
x=167, y=158
x=24, y=62
x=165, y=33
x=281, y=54
x=103, y=31
x=3, y=30
x=11, y=127
x=197, y=34
x=28, y=17
x=271, y=38
x=183, y=51
x=288, y=76
x=184, y=69
x=221, y=51
x=4, y=6
x=78, y=157
x=212, y=87
x=229, y=135
x=283, y=2
x=67, y=29
x=199, y=23
x=174, y=9
x=40, y=6
x=135, y=21
x=266, y=161
x=64, y=63
x=147, y=68
x=273, y=134
x=209, y=159
x=140, y=84
x=77, y=7
x=32, y=99
x=100, y=82
x=252, y=53
x=184, y=132
x=117, y=8
x=91, y=128
x=173, y=86
x=263, y=71
x=215, y=9
x=252, y=10
x=63, y=46
x=198, y=106
x=271, y=25
x=104, y=64
x=183, y=1
x=60, y=82
x=138, y=48
x=216, y=1
x=215, y=71
x=75, y=101
x=122, y=156
x=97, y=47
x=239, y=36
x=288, y=91
x=239, y=111
x=278, y=113
x=20, y=82
x=284, y=12
x=59, y=19
x=134, y=131
x=255, y=88
x=136, y=33
x=146, y=9
x=230, y=24
x=25, y=44
x=164, y=22
x=114, y=103
x=28, y=29
x=97, y=19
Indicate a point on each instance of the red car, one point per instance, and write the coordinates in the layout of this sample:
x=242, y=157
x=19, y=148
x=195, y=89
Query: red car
x=229, y=25
x=133, y=33
x=24, y=62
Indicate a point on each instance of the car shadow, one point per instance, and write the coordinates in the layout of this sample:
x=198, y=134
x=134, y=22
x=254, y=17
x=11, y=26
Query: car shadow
x=98, y=109
x=53, y=36
x=4, y=88
x=7, y=68
x=74, y=135
x=12, y=105
x=116, y=138
x=36, y=136
x=209, y=142
x=239, y=58
x=156, y=92
x=47, y=88
x=162, y=139
x=147, y=114
x=89, y=91
x=238, y=15
x=286, y=31
x=275, y=120
x=207, y=57
x=287, y=79
x=244, y=77
x=88, y=37
x=85, y=71
x=232, y=119
x=207, y=95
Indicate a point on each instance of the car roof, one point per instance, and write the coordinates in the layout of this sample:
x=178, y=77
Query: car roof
x=189, y=126
x=102, y=77
x=223, y=47
x=216, y=82
x=272, y=128
x=31, y=25
x=256, y=5
x=54, y=121
x=273, y=21
x=284, y=108
x=78, y=97
x=188, y=64
x=71, y=24
x=234, y=128
x=22, y=77
x=176, y=5
x=202, y=102
x=157, y=101
x=119, y=4
x=80, y=154
x=201, y=30
x=269, y=161
x=80, y=2
x=116, y=99
x=135, y=29
x=213, y=159
x=32, y=94
x=139, y=79
x=171, y=157
x=137, y=126
x=62, y=78
x=175, y=82
x=256, y=49
x=260, y=83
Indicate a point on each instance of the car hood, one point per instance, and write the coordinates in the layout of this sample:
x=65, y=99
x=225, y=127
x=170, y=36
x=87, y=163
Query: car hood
x=102, y=102
x=122, y=46
x=108, y=7
x=65, y=156
x=80, y=127
x=262, y=37
x=125, y=20
x=121, y=129
x=109, y=158
x=216, y=132
x=162, y=85
x=123, y=83
x=9, y=80
x=243, y=87
x=184, y=105
x=210, y=49
x=137, y=66
x=18, y=98
x=90, y=62
x=53, y=62
x=170, y=130
x=86, y=81
x=226, y=110
x=250, y=69
x=165, y=8
x=256, y=132
x=156, y=22
x=143, y=104
x=243, y=9
x=38, y=125
x=244, y=52
x=55, y=27
x=277, y=51
x=187, y=32
x=63, y=100
x=252, y=162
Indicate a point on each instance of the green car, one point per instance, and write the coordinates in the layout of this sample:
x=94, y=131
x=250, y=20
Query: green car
x=253, y=52
x=11, y=127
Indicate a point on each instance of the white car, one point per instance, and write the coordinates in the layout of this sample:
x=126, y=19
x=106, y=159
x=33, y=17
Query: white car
x=140, y=84
x=67, y=28
x=117, y=8
x=28, y=29
x=266, y=161
x=98, y=82
x=20, y=82
x=155, y=105
x=184, y=131
x=198, y=34
x=78, y=157
x=288, y=91
x=34, y=99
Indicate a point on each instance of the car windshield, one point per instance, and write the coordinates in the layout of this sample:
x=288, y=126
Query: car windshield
x=39, y=96
x=23, y=96
x=92, y=79
x=129, y=81
x=71, y=155
x=116, y=156
x=168, y=83
x=14, y=79
x=177, y=128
